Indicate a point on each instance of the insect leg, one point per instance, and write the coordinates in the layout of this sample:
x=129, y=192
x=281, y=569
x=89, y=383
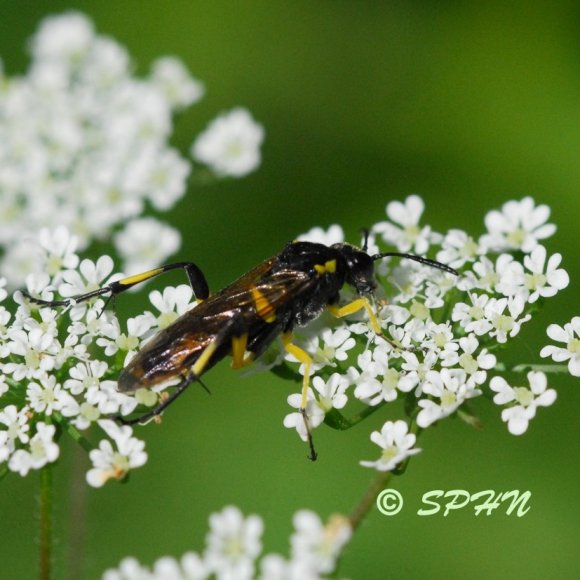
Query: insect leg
x=192, y=375
x=195, y=276
x=241, y=357
x=355, y=306
x=303, y=357
x=179, y=389
x=234, y=325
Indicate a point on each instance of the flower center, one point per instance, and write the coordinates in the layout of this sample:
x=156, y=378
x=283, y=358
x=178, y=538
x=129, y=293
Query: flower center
x=120, y=465
x=32, y=359
x=469, y=249
x=523, y=396
x=419, y=310
x=535, y=281
x=503, y=323
x=574, y=346
x=390, y=452
x=412, y=233
x=166, y=318
x=468, y=363
x=476, y=313
x=448, y=398
x=390, y=380
x=516, y=238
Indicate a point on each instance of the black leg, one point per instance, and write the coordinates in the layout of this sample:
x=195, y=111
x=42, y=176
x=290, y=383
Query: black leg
x=195, y=276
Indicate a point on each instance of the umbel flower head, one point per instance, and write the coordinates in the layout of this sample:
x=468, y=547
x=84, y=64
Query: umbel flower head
x=234, y=551
x=84, y=144
x=437, y=350
x=440, y=334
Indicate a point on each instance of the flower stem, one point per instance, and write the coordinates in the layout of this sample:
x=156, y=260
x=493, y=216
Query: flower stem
x=336, y=420
x=369, y=499
x=381, y=481
x=45, y=523
x=522, y=368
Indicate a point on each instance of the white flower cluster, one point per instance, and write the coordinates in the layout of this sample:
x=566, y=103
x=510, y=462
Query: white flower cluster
x=84, y=144
x=439, y=332
x=58, y=370
x=233, y=547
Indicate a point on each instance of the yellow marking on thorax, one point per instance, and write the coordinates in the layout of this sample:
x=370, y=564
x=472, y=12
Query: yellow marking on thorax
x=263, y=308
x=328, y=267
x=130, y=280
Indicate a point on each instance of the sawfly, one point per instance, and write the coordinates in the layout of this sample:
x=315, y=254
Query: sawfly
x=287, y=290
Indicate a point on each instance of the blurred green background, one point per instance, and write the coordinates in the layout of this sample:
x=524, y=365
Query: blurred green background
x=468, y=104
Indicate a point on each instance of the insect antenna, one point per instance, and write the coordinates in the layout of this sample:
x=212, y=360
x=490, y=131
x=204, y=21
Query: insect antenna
x=365, y=233
x=420, y=259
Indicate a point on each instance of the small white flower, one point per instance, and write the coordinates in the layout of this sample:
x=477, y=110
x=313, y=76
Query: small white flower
x=331, y=393
x=89, y=277
x=233, y=543
x=474, y=364
x=396, y=443
x=407, y=234
x=48, y=396
x=164, y=177
x=230, y=145
x=317, y=545
x=334, y=235
x=172, y=303
x=145, y=243
x=85, y=375
x=457, y=248
x=523, y=400
x=60, y=247
x=451, y=388
x=275, y=567
x=504, y=276
x=110, y=463
x=17, y=424
x=471, y=317
x=503, y=317
x=544, y=279
x=518, y=226
x=178, y=86
x=67, y=36
x=114, y=340
x=37, y=349
x=41, y=450
x=335, y=347
x=570, y=336
x=377, y=381
x=129, y=569
x=417, y=370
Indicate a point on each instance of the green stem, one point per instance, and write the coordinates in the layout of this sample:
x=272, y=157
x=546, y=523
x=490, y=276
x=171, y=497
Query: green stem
x=336, y=420
x=381, y=481
x=45, y=523
x=522, y=368
x=369, y=498
x=75, y=434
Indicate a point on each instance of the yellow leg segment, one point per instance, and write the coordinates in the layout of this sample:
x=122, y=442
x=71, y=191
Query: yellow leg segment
x=240, y=358
x=200, y=364
x=303, y=357
x=132, y=280
x=355, y=306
